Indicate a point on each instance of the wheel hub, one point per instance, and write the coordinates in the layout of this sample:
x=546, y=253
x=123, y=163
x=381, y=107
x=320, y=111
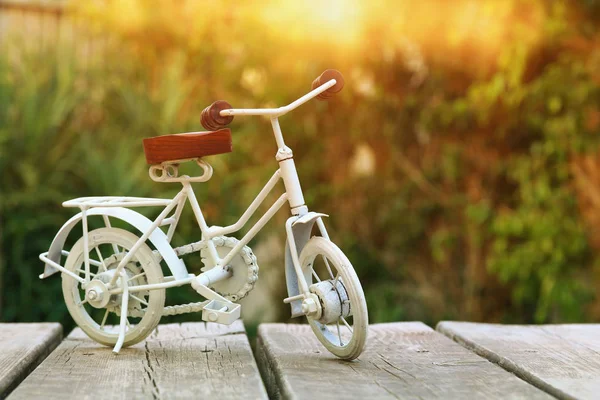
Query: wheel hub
x=333, y=299
x=96, y=293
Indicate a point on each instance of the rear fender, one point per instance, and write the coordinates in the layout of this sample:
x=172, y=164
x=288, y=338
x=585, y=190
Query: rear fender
x=158, y=238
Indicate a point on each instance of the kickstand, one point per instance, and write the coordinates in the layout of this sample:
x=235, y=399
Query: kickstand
x=124, y=306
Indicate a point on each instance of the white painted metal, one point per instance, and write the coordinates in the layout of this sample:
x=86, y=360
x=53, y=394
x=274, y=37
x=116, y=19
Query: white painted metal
x=292, y=183
x=343, y=338
x=86, y=254
x=156, y=286
x=254, y=230
x=158, y=239
x=288, y=300
x=44, y=258
x=145, y=237
x=167, y=172
x=277, y=112
x=81, y=311
x=279, y=140
x=176, y=217
x=221, y=312
x=217, y=308
x=116, y=201
x=226, y=230
x=214, y=275
x=309, y=217
x=296, y=263
x=124, y=306
x=322, y=229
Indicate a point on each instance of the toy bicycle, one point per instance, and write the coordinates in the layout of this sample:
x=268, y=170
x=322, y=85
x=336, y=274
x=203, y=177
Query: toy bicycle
x=113, y=281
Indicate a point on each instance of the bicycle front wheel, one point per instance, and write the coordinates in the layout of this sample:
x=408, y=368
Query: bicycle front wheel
x=342, y=325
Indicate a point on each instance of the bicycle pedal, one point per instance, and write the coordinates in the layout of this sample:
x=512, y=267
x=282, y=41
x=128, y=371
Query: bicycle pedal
x=221, y=312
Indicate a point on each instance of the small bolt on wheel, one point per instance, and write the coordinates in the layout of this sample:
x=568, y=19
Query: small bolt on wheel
x=336, y=308
x=93, y=308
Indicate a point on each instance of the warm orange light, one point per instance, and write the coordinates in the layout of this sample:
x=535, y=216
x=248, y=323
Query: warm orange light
x=469, y=35
x=332, y=21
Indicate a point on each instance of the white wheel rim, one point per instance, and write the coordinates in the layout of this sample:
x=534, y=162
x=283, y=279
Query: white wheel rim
x=139, y=272
x=346, y=337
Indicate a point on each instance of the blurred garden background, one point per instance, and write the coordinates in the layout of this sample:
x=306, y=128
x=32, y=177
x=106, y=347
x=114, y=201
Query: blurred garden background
x=460, y=164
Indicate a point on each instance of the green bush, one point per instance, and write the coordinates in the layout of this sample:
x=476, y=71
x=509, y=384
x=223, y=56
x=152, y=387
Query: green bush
x=454, y=182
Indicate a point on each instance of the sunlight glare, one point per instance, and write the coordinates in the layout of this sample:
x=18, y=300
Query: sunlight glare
x=332, y=21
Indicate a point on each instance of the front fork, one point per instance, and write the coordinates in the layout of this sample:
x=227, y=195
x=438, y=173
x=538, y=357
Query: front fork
x=298, y=231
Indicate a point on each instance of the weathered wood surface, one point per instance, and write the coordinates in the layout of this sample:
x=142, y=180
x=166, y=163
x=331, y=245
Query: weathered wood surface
x=563, y=360
x=23, y=347
x=182, y=361
x=402, y=360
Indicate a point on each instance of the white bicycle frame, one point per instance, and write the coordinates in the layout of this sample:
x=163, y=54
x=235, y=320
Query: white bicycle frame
x=293, y=194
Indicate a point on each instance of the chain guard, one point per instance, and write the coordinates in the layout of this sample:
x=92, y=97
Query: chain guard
x=244, y=266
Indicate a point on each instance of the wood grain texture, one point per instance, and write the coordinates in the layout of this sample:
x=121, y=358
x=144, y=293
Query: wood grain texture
x=563, y=360
x=402, y=360
x=178, y=361
x=24, y=346
x=182, y=146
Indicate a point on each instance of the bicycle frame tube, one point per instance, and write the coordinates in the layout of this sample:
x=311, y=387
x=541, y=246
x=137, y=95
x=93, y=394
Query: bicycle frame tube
x=157, y=222
x=293, y=195
x=187, y=193
x=213, y=231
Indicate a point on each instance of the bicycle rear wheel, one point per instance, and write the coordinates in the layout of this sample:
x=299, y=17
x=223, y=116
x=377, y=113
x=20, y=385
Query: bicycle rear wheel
x=97, y=316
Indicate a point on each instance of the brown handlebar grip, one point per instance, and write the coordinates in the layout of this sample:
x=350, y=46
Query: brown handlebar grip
x=325, y=77
x=211, y=118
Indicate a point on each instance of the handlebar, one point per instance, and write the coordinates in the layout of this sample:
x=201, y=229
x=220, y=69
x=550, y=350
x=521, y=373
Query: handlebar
x=220, y=114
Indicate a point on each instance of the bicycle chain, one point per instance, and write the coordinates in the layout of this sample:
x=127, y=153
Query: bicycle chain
x=172, y=310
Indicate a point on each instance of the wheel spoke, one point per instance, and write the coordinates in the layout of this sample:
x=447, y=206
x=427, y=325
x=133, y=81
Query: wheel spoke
x=106, y=251
x=136, y=276
x=315, y=274
x=104, y=319
x=101, y=259
x=115, y=248
x=347, y=324
x=339, y=333
x=327, y=265
x=144, y=302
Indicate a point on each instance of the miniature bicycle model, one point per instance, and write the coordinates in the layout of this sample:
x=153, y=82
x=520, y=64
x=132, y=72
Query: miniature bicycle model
x=112, y=279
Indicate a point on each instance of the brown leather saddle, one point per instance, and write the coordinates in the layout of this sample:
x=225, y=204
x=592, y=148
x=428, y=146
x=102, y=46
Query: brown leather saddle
x=182, y=146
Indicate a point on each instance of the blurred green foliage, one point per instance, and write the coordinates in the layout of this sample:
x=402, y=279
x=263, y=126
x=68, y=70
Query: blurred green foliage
x=460, y=187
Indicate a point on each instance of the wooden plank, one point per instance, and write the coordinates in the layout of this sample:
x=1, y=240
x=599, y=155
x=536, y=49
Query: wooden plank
x=563, y=360
x=189, y=360
x=401, y=360
x=24, y=346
